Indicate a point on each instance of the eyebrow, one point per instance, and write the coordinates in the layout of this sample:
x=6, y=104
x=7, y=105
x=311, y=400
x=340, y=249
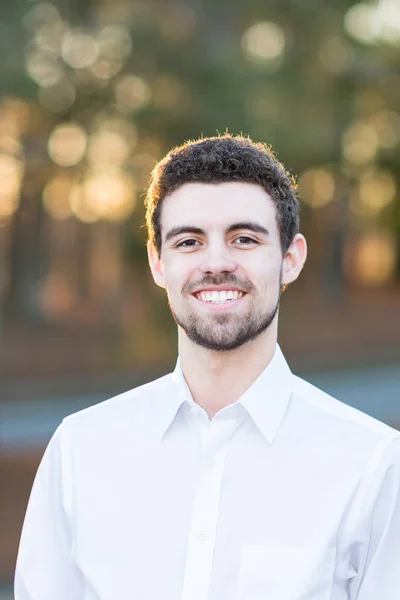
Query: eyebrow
x=250, y=225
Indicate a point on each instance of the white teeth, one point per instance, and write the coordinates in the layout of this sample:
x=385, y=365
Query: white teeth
x=218, y=297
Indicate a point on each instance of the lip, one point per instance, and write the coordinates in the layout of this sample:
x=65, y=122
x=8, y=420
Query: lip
x=218, y=307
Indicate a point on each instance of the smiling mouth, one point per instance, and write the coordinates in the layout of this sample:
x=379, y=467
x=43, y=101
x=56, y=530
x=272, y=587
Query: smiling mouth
x=219, y=297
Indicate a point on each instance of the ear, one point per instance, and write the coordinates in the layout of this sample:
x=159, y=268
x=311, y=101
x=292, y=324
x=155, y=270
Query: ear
x=294, y=259
x=156, y=265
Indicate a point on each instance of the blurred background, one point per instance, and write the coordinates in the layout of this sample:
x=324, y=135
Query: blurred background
x=92, y=94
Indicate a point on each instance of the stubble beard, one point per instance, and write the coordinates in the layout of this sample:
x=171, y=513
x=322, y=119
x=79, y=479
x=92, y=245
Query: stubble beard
x=225, y=332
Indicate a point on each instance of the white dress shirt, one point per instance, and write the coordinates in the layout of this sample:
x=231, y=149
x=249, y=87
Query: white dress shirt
x=287, y=494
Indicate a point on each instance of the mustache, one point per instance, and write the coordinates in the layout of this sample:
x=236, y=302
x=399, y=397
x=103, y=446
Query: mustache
x=221, y=280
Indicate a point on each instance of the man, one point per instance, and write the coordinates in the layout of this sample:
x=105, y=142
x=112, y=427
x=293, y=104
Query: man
x=230, y=478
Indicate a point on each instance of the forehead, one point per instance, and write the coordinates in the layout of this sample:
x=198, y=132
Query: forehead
x=216, y=206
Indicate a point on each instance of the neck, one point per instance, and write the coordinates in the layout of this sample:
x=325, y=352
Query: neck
x=217, y=379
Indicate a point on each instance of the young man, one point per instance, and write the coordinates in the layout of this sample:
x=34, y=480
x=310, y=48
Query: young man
x=230, y=478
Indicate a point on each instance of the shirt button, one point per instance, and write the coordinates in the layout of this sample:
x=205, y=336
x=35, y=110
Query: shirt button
x=202, y=535
x=210, y=464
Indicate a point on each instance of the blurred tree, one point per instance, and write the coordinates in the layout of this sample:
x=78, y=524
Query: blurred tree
x=318, y=80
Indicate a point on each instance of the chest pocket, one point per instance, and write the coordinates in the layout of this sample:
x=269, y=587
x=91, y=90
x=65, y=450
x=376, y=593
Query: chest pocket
x=270, y=572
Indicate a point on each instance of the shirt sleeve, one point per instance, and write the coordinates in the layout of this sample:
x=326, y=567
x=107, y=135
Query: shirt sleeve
x=45, y=569
x=376, y=544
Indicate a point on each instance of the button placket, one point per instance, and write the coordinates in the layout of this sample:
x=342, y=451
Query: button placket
x=205, y=514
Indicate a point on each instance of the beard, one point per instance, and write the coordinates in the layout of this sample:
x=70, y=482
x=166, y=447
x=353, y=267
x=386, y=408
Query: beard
x=224, y=332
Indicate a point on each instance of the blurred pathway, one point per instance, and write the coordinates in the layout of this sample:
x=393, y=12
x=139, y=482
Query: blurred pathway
x=375, y=391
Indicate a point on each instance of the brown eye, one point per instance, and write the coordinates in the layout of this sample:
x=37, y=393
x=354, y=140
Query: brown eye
x=187, y=243
x=245, y=241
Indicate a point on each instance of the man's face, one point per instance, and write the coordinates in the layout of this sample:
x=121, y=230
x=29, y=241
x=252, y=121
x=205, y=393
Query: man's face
x=221, y=262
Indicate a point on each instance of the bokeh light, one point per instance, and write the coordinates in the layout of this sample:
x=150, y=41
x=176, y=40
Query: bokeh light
x=317, y=187
x=48, y=37
x=15, y=115
x=56, y=195
x=79, y=49
x=56, y=295
x=361, y=23
x=40, y=15
x=124, y=127
x=11, y=173
x=59, y=97
x=263, y=42
x=371, y=260
x=67, y=144
x=387, y=126
x=43, y=69
x=108, y=194
x=107, y=148
x=132, y=93
x=377, y=189
x=114, y=42
x=104, y=68
x=360, y=143
x=371, y=23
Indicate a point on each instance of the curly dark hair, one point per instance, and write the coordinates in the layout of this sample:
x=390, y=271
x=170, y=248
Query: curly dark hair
x=221, y=159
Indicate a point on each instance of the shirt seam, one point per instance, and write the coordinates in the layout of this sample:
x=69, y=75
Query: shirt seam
x=66, y=473
x=366, y=484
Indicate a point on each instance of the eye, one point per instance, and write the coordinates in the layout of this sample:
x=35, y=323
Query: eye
x=187, y=243
x=245, y=241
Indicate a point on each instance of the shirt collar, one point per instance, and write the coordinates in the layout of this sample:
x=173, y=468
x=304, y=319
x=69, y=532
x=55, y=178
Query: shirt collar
x=265, y=400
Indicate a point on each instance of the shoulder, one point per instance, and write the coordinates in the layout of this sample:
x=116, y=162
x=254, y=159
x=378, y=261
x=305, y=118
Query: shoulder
x=131, y=405
x=341, y=417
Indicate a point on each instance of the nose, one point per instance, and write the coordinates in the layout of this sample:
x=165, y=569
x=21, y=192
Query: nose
x=218, y=260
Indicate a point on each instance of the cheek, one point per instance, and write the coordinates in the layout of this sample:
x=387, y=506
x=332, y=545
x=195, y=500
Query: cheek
x=269, y=275
x=174, y=281
x=269, y=283
x=177, y=275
